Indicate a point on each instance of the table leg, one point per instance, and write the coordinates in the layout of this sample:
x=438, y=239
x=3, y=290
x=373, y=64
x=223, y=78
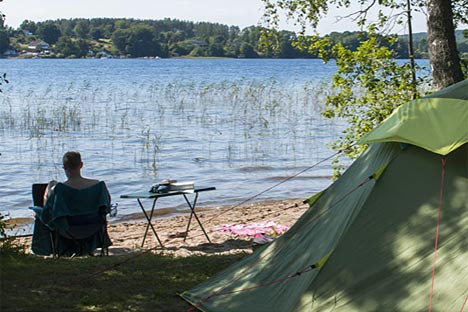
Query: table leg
x=148, y=219
x=192, y=212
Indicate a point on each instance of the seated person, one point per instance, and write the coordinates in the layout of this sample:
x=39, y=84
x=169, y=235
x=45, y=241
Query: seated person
x=76, y=201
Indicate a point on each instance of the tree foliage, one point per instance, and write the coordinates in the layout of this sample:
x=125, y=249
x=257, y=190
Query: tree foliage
x=382, y=83
x=8, y=244
x=369, y=84
x=72, y=48
x=4, y=43
x=174, y=38
x=164, y=38
x=49, y=32
x=3, y=80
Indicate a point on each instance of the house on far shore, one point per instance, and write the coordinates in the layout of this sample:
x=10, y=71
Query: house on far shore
x=104, y=55
x=198, y=43
x=10, y=53
x=39, y=45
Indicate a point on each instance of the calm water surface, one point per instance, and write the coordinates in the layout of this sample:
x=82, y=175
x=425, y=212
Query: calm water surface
x=240, y=125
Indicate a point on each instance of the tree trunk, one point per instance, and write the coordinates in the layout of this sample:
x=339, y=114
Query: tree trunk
x=441, y=44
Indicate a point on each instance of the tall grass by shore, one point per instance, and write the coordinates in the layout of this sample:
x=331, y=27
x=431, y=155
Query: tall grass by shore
x=250, y=108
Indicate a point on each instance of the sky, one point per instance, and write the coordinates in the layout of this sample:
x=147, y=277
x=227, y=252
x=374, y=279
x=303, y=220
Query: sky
x=242, y=13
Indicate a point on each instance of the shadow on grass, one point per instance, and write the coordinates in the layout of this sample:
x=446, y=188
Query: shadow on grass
x=129, y=283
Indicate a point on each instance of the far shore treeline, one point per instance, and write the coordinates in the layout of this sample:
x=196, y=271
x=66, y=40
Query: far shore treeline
x=112, y=37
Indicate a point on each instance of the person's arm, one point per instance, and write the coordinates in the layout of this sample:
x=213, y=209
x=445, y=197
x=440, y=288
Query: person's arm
x=49, y=187
x=46, y=214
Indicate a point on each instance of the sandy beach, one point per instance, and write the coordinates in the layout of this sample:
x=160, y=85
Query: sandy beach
x=127, y=235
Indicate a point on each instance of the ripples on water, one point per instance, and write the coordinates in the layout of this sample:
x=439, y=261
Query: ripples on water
x=240, y=125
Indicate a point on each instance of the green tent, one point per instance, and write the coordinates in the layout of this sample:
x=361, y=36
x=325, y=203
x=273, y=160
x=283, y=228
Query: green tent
x=390, y=235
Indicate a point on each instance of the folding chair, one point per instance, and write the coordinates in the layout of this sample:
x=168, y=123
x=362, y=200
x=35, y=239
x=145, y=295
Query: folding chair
x=38, y=190
x=46, y=237
x=82, y=232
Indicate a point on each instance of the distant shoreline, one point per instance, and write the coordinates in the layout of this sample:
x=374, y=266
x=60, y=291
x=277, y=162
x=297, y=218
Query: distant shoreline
x=171, y=58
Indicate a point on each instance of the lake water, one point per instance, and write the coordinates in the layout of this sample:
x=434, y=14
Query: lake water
x=238, y=124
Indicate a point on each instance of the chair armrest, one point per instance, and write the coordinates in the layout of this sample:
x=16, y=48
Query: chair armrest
x=37, y=209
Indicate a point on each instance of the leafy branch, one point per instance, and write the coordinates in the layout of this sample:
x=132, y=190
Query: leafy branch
x=368, y=84
x=3, y=81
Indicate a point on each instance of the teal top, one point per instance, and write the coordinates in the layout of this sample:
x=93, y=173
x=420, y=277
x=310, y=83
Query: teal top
x=65, y=201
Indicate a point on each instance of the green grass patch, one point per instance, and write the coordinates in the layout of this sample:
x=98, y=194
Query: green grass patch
x=127, y=283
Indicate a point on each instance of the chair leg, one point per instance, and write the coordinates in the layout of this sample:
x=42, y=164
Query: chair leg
x=52, y=243
x=77, y=245
x=103, y=240
x=56, y=244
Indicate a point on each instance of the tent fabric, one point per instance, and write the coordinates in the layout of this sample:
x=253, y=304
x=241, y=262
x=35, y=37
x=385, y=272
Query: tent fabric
x=384, y=262
x=381, y=240
x=438, y=123
x=366, y=243
x=455, y=91
x=319, y=229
